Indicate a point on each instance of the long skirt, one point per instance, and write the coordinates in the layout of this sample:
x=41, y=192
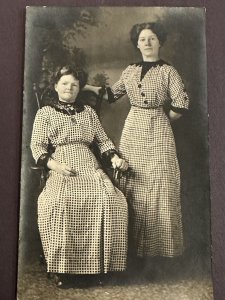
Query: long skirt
x=153, y=187
x=83, y=222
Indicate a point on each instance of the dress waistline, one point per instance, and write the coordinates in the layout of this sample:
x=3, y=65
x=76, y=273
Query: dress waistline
x=160, y=107
x=73, y=143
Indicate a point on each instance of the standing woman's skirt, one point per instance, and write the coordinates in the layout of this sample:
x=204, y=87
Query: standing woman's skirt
x=153, y=188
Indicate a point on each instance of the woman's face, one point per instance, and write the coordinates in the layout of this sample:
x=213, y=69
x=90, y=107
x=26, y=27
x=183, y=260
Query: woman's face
x=149, y=45
x=67, y=88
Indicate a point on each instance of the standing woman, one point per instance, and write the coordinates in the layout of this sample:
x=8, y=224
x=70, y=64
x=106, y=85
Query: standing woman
x=147, y=143
x=82, y=217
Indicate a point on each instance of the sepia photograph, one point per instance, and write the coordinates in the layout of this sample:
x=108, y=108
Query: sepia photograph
x=115, y=189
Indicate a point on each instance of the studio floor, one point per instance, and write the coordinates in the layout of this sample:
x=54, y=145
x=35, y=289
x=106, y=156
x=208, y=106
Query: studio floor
x=33, y=284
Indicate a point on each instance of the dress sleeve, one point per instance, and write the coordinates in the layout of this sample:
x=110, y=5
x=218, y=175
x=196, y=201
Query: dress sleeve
x=39, y=138
x=177, y=92
x=118, y=89
x=102, y=140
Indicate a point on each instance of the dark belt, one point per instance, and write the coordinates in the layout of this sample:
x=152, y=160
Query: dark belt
x=154, y=107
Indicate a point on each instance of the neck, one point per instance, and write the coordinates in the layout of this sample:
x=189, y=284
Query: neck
x=65, y=102
x=150, y=59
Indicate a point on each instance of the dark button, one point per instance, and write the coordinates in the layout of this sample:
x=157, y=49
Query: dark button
x=142, y=94
x=145, y=102
x=139, y=85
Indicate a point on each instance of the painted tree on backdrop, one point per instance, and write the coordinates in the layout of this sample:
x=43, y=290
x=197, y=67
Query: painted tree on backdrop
x=55, y=34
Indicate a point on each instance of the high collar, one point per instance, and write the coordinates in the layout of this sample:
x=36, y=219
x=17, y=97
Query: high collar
x=74, y=107
x=66, y=103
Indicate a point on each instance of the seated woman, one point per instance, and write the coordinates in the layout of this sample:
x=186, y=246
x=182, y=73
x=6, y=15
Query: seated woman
x=82, y=217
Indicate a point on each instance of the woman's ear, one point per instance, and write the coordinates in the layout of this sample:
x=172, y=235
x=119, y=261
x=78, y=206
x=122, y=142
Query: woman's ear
x=55, y=86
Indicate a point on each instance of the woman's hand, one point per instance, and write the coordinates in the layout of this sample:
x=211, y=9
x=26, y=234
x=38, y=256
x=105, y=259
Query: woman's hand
x=92, y=88
x=60, y=168
x=174, y=115
x=119, y=163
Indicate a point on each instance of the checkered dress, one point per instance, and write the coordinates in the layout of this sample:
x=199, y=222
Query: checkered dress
x=82, y=219
x=147, y=143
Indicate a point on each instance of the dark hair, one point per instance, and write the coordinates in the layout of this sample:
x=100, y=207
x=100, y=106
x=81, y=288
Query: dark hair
x=50, y=96
x=78, y=73
x=157, y=28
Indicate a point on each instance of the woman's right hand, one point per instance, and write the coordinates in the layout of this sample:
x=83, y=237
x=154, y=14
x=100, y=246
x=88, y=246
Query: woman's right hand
x=60, y=168
x=92, y=88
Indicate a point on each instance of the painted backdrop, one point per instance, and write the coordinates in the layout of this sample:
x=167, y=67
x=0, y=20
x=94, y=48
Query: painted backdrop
x=98, y=39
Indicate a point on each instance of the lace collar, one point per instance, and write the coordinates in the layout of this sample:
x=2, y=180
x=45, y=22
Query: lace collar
x=68, y=108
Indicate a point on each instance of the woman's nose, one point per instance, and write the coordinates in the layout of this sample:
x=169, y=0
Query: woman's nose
x=148, y=42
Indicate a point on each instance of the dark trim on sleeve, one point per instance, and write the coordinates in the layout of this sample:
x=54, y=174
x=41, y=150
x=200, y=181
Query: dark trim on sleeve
x=107, y=156
x=179, y=109
x=111, y=98
x=43, y=160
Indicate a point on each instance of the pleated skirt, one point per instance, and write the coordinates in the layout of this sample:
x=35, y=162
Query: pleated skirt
x=83, y=220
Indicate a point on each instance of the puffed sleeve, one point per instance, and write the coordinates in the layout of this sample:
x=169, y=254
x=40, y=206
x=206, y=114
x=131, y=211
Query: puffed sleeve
x=177, y=92
x=39, y=139
x=118, y=89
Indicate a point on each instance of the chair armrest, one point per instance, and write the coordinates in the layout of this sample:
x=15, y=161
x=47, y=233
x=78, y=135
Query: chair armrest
x=43, y=175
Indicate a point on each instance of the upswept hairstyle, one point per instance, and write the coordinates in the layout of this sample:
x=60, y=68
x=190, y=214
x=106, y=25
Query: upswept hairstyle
x=78, y=73
x=157, y=28
x=50, y=96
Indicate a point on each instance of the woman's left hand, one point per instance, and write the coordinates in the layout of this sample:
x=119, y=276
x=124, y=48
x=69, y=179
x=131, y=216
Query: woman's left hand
x=119, y=163
x=174, y=115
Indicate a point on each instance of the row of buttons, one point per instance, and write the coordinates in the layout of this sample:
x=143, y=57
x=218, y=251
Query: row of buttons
x=142, y=94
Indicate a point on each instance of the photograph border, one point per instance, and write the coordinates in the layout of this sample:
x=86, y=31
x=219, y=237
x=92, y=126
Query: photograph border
x=12, y=55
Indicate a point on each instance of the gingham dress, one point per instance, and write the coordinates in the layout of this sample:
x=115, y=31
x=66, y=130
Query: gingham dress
x=147, y=143
x=82, y=219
